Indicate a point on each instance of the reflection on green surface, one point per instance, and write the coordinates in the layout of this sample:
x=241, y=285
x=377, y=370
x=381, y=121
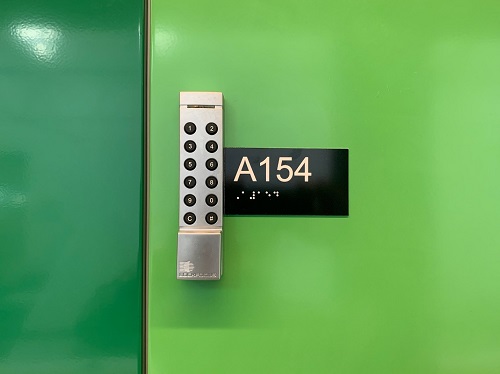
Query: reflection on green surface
x=70, y=187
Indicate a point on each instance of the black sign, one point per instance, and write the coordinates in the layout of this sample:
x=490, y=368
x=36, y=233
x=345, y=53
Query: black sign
x=286, y=181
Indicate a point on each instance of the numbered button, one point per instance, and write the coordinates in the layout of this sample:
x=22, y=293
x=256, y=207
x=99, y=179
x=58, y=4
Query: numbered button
x=190, y=128
x=190, y=218
x=211, y=146
x=190, y=164
x=211, y=182
x=189, y=182
x=189, y=200
x=211, y=128
x=190, y=146
x=211, y=164
x=211, y=200
x=211, y=218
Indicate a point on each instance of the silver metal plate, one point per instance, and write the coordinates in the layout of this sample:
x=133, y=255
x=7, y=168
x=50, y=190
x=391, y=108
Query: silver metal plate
x=199, y=255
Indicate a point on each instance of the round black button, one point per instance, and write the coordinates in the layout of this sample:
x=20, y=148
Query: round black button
x=189, y=182
x=189, y=200
x=211, y=164
x=190, y=146
x=211, y=200
x=211, y=146
x=211, y=182
x=189, y=218
x=190, y=164
x=211, y=128
x=190, y=128
x=211, y=218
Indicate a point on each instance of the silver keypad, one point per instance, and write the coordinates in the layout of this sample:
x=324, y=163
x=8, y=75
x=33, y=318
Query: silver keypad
x=201, y=183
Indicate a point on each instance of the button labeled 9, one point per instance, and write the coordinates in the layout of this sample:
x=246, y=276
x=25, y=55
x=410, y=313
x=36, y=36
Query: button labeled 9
x=189, y=200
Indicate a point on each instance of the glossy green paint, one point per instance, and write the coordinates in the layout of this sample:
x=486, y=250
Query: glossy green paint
x=71, y=123
x=409, y=282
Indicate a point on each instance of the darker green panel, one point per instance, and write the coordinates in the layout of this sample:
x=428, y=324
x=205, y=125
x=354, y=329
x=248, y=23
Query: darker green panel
x=71, y=169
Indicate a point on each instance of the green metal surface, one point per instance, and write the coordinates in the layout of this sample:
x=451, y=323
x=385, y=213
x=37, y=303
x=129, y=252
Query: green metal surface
x=71, y=122
x=409, y=282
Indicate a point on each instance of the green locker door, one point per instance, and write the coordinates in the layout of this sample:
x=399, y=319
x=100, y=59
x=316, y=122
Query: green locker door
x=71, y=177
x=408, y=283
